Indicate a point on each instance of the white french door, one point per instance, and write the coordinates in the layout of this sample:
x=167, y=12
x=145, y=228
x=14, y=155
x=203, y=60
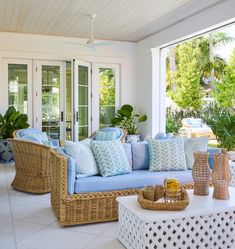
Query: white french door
x=105, y=94
x=81, y=99
x=18, y=87
x=49, y=94
x=62, y=98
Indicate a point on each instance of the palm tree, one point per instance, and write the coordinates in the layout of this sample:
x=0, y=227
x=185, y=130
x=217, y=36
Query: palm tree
x=210, y=64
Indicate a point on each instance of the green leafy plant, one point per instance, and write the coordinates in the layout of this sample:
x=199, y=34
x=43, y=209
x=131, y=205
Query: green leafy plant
x=11, y=121
x=127, y=119
x=222, y=122
x=174, y=118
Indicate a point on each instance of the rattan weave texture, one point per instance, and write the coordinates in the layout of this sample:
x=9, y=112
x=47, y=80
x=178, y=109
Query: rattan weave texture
x=82, y=208
x=33, y=172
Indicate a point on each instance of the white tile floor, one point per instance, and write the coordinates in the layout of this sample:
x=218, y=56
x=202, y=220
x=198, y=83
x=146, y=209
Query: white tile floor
x=27, y=222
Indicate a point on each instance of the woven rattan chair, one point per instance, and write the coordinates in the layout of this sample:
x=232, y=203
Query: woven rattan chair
x=82, y=208
x=33, y=172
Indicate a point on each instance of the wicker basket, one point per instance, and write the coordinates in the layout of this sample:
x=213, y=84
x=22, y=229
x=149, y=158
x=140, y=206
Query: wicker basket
x=165, y=206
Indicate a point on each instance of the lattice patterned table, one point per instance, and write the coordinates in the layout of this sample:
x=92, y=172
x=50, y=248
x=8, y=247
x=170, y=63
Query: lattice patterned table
x=205, y=223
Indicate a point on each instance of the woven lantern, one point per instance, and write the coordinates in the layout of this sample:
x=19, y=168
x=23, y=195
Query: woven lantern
x=221, y=176
x=201, y=173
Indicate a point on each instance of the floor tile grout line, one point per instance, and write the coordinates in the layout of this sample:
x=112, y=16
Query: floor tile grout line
x=12, y=223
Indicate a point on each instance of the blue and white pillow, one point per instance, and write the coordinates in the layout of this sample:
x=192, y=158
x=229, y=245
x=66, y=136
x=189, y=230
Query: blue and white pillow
x=82, y=154
x=167, y=154
x=110, y=157
x=105, y=135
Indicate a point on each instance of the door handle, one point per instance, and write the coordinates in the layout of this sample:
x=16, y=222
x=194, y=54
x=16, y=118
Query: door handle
x=77, y=116
x=61, y=116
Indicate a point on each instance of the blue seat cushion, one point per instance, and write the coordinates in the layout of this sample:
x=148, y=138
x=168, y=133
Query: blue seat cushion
x=137, y=179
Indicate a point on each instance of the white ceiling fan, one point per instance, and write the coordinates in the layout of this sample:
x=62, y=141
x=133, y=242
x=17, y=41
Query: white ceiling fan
x=92, y=43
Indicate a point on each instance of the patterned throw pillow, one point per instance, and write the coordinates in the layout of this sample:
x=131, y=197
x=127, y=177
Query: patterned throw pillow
x=82, y=154
x=110, y=157
x=105, y=135
x=167, y=154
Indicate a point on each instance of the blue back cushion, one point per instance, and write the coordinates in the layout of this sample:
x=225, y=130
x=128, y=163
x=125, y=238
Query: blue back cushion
x=119, y=132
x=212, y=152
x=140, y=155
x=105, y=135
x=28, y=131
x=71, y=172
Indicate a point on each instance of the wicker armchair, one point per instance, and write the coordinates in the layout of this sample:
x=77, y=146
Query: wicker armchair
x=82, y=208
x=33, y=172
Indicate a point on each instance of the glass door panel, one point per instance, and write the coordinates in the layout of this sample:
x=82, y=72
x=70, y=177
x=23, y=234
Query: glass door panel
x=17, y=87
x=18, y=78
x=82, y=100
x=51, y=100
x=69, y=102
x=106, y=96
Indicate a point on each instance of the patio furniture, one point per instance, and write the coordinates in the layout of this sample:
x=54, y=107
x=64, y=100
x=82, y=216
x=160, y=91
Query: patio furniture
x=36, y=135
x=93, y=198
x=33, y=172
x=205, y=223
x=194, y=127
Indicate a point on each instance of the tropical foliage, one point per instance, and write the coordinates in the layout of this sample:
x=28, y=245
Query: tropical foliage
x=222, y=122
x=192, y=67
x=11, y=121
x=174, y=118
x=224, y=92
x=127, y=119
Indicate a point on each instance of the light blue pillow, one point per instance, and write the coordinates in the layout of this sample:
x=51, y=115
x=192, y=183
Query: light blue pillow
x=40, y=136
x=31, y=138
x=82, y=154
x=167, y=154
x=162, y=135
x=105, y=135
x=192, y=145
x=110, y=157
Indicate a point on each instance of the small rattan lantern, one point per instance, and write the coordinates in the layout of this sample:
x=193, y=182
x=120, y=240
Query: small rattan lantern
x=221, y=176
x=201, y=173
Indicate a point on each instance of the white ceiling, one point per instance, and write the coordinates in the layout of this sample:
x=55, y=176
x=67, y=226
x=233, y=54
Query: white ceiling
x=123, y=20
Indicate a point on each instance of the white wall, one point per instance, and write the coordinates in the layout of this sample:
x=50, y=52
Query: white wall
x=25, y=46
x=149, y=91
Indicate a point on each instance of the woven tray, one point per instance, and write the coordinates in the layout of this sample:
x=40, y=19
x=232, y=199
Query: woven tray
x=166, y=206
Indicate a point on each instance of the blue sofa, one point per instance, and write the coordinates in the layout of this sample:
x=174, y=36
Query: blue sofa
x=77, y=199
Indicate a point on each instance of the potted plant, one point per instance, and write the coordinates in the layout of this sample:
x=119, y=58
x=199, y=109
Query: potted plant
x=127, y=119
x=11, y=121
x=222, y=122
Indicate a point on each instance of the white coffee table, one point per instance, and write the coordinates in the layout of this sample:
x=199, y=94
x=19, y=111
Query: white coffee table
x=205, y=223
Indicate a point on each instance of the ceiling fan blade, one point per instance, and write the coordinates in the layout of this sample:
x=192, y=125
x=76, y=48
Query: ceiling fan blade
x=97, y=44
x=76, y=43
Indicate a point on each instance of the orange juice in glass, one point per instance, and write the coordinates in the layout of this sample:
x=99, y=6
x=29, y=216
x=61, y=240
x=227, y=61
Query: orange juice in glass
x=172, y=189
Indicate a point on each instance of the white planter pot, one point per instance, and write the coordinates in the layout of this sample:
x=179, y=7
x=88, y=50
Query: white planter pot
x=132, y=138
